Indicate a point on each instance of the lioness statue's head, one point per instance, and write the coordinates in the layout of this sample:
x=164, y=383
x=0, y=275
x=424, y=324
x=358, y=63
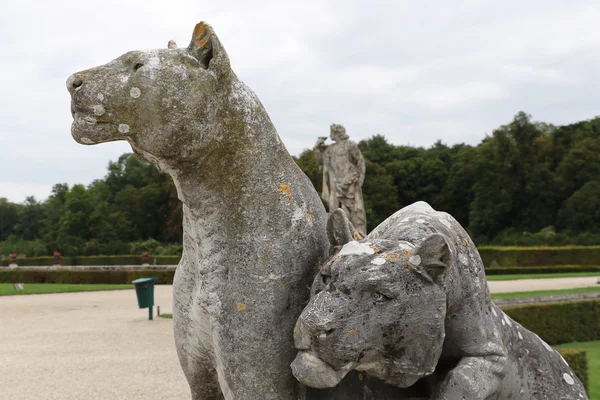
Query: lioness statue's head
x=376, y=306
x=169, y=104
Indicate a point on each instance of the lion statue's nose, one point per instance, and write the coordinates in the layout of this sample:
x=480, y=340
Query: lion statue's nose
x=73, y=82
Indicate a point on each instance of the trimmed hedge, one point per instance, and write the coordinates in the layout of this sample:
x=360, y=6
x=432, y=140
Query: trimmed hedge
x=92, y=260
x=66, y=276
x=492, y=257
x=564, y=322
x=538, y=256
x=542, y=270
x=577, y=360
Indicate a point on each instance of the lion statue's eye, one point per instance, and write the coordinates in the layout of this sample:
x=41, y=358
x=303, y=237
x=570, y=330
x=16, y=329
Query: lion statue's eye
x=377, y=296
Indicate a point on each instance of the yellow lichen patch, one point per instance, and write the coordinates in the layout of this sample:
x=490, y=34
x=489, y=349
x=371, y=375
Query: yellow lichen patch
x=199, y=30
x=231, y=372
x=295, y=329
x=465, y=243
x=201, y=36
x=285, y=189
x=357, y=236
x=241, y=307
x=281, y=283
x=351, y=331
x=391, y=257
x=338, y=248
x=376, y=249
x=407, y=252
x=360, y=377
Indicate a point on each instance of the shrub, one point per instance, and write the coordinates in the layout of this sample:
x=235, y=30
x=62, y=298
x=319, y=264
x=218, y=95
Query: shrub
x=564, y=322
x=93, y=260
x=88, y=277
x=577, y=360
x=536, y=256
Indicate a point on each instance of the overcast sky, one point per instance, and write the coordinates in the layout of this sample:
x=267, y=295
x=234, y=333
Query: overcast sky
x=413, y=71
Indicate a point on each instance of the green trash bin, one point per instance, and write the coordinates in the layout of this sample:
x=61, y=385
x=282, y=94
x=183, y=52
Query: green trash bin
x=144, y=289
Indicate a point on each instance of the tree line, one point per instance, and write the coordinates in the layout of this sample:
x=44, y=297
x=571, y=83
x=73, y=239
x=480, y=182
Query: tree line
x=528, y=183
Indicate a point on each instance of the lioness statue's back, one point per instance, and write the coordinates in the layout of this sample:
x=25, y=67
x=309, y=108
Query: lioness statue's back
x=410, y=305
x=254, y=226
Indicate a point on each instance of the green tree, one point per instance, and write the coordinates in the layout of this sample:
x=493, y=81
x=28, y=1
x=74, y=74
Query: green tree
x=582, y=210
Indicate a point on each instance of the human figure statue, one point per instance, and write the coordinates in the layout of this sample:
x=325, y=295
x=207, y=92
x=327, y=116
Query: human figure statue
x=343, y=169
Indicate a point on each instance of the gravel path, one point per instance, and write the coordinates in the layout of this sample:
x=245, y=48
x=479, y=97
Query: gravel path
x=99, y=345
x=528, y=285
x=91, y=345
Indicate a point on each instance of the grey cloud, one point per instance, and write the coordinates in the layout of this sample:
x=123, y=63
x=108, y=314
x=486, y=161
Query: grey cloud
x=413, y=71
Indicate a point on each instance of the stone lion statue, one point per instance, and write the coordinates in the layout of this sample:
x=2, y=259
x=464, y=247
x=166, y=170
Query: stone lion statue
x=410, y=305
x=254, y=228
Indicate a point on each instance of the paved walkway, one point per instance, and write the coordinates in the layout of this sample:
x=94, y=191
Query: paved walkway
x=91, y=345
x=528, y=285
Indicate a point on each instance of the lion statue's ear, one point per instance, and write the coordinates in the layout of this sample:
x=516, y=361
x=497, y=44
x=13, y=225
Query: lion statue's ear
x=433, y=257
x=207, y=49
x=340, y=230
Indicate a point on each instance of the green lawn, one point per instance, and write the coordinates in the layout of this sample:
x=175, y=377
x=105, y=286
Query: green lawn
x=516, y=295
x=512, y=277
x=6, y=289
x=593, y=356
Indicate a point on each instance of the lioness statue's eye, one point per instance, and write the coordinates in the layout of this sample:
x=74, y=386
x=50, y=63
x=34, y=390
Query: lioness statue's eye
x=377, y=296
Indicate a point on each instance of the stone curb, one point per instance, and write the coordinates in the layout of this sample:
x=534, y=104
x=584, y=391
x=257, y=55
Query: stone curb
x=94, y=268
x=546, y=299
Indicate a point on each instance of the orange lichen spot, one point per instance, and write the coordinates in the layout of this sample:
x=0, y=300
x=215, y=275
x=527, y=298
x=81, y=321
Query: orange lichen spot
x=319, y=267
x=201, y=36
x=376, y=249
x=406, y=265
x=309, y=216
x=285, y=189
x=357, y=236
x=449, y=305
x=200, y=29
x=407, y=252
x=241, y=307
x=391, y=257
x=351, y=331
x=465, y=243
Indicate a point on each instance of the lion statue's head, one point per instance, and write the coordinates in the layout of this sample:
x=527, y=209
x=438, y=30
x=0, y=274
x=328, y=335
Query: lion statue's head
x=376, y=306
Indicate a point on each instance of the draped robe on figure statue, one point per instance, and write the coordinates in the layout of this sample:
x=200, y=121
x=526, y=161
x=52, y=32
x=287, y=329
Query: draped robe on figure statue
x=343, y=169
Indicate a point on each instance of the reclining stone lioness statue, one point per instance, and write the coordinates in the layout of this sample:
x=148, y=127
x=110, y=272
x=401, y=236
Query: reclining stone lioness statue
x=254, y=226
x=410, y=305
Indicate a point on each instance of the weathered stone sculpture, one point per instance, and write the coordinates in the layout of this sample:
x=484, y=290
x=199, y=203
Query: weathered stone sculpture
x=410, y=305
x=254, y=227
x=343, y=169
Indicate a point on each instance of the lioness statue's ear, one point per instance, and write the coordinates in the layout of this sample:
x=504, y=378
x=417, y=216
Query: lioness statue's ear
x=206, y=48
x=433, y=256
x=340, y=230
